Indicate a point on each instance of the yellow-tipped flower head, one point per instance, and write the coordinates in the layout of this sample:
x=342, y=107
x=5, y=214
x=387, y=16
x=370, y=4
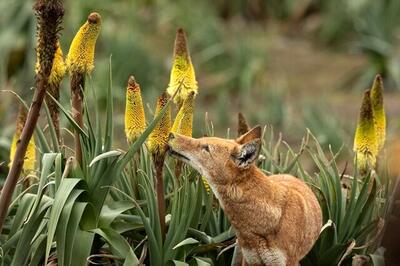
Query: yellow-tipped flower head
x=378, y=111
x=81, y=52
x=30, y=156
x=182, y=70
x=58, y=68
x=365, y=144
x=135, y=122
x=183, y=123
x=157, y=141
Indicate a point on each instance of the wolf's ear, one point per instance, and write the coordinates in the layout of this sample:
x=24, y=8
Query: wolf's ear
x=252, y=134
x=247, y=153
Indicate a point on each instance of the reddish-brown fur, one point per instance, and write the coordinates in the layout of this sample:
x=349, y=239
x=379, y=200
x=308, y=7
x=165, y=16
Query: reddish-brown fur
x=277, y=218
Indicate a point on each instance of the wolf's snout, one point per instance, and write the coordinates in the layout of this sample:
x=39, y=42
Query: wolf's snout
x=171, y=136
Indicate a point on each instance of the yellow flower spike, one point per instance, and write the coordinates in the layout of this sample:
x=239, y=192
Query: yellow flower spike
x=81, y=52
x=378, y=111
x=183, y=123
x=30, y=156
x=158, y=138
x=365, y=143
x=58, y=68
x=182, y=70
x=135, y=121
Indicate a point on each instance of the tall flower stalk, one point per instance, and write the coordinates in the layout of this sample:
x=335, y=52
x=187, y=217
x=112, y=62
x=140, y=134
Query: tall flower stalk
x=49, y=15
x=80, y=61
x=182, y=72
x=157, y=145
x=56, y=76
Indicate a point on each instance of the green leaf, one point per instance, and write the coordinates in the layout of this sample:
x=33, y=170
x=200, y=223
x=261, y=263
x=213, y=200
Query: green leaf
x=58, y=171
x=29, y=230
x=378, y=258
x=154, y=245
x=83, y=242
x=109, y=134
x=68, y=116
x=23, y=211
x=47, y=163
x=118, y=244
x=187, y=241
x=37, y=250
x=104, y=156
x=63, y=238
x=180, y=263
x=202, y=261
x=108, y=215
x=66, y=187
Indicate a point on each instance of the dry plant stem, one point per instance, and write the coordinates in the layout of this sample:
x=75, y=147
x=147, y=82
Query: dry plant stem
x=158, y=165
x=77, y=86
x=49, y=14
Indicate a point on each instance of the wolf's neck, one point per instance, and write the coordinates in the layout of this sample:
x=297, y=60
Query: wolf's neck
x=233, y=188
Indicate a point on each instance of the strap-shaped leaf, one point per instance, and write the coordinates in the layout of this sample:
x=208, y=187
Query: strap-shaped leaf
x=64, y=191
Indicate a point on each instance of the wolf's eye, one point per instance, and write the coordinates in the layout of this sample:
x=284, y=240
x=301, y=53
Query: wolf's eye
x=205, y=148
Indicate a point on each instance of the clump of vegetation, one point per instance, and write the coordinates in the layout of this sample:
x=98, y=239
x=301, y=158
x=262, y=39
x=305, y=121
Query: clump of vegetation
x=138, y=206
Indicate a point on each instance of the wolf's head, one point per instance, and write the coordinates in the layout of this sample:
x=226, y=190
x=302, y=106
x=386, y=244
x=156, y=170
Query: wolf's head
x=216, y=158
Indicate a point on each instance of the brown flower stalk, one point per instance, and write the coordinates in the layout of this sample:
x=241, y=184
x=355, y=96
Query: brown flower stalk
x=157, y=144
x=49, y=15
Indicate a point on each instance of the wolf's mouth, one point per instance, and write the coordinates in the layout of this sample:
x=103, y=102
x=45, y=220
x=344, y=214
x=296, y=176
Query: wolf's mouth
x=178, y=155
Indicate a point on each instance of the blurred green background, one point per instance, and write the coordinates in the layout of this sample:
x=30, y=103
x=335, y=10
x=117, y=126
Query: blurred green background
x=293, y=64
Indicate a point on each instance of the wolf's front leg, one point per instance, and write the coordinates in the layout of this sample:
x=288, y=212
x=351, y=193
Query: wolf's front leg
x=273, y=256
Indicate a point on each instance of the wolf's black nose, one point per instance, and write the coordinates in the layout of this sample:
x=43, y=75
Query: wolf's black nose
x=171, y=136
